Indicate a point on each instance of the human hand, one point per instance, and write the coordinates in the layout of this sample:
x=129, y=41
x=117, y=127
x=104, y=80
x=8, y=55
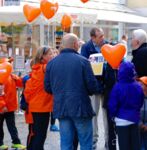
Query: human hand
x=4, y=110
x=143, y=127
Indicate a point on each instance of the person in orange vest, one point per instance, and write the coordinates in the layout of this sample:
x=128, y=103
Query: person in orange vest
x=8, y=105
x=40, y=103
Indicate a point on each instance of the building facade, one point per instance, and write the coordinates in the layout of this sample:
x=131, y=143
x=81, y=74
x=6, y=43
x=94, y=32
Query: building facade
x=95, y=13
x=137, y=4
x=140, y=7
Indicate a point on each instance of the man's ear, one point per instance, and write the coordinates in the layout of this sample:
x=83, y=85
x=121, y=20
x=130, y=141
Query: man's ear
x=75, y=45
x=93, y=38
x=138, y=42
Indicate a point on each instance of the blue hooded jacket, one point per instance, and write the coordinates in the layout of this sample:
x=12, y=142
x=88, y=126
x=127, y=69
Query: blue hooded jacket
x=126, y=98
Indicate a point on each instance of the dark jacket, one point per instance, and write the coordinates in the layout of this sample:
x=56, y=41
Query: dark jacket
x=110, y=78
x=140, y=60
x=88, y=49
x=70, y=78
x=127, y=96
x=144, y=112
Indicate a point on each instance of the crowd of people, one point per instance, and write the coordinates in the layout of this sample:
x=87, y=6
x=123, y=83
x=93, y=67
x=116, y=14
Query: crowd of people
x=64, y=84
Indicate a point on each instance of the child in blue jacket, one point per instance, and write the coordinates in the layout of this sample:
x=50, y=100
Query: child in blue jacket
x=125, y=102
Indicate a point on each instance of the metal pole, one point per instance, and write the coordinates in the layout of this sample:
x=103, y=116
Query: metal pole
x=81, y=27
x=41, y=34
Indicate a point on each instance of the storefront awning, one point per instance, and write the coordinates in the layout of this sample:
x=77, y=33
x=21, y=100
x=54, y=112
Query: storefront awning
x=120, y=17
x=9, y=14
x=104, y=11
x=15, y=15
x=88, y=13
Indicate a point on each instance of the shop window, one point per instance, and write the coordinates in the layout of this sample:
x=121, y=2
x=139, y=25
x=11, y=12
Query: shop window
x=20, y=42
x=76, y=30
x=58, y=37
x=11, y=2
x=48, y=35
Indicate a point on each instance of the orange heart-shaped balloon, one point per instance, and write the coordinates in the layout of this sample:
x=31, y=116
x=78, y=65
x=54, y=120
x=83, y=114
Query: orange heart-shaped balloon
x=66, y=21
x=84, y=1
x=4, y=60
x=48, y=9
x=113, y=54
x=31, y=12
x=5, y=71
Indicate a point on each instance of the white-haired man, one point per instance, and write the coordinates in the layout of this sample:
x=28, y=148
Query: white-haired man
x=139, y=45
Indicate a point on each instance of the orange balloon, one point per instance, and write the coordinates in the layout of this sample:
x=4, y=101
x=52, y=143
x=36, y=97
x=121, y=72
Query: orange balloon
x=31, y=12
x=66, y=21
x=4, y=60
x=84, y=1
x=113, y=54
x=5, y=71
x=48, y=9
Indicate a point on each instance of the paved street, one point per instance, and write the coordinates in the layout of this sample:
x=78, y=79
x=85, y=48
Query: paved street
x=53, y=139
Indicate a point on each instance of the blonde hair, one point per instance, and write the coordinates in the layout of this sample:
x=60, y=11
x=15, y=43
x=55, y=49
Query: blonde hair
x=40, y=53
x=55, y=52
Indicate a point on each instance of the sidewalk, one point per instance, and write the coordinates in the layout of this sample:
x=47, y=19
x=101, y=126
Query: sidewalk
x=53, y=139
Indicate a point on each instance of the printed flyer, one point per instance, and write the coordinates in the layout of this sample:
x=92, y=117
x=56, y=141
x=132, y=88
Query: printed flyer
x=97, y=62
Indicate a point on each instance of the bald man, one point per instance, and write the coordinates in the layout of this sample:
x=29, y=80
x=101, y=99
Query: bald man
x=70, y=79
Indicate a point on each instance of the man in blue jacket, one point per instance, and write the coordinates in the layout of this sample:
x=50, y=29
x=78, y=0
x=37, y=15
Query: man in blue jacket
x=69, y=77
x=107, y=79
x=91, y=47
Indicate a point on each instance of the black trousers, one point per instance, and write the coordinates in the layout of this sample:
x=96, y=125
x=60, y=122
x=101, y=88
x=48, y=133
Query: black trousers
x=52, y=119
x=75, y=142
x=38, y=131
x=10, y=122
x=111, y=133
x=128, y=137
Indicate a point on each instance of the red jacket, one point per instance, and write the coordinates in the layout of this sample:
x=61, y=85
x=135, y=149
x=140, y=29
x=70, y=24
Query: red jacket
x=9, y=100
x=37, y=98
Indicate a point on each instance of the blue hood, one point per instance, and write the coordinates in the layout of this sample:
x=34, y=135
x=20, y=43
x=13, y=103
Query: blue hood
x=126, y=72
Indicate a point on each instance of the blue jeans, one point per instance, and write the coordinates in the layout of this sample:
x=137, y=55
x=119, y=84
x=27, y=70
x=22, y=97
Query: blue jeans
x=83, y=126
